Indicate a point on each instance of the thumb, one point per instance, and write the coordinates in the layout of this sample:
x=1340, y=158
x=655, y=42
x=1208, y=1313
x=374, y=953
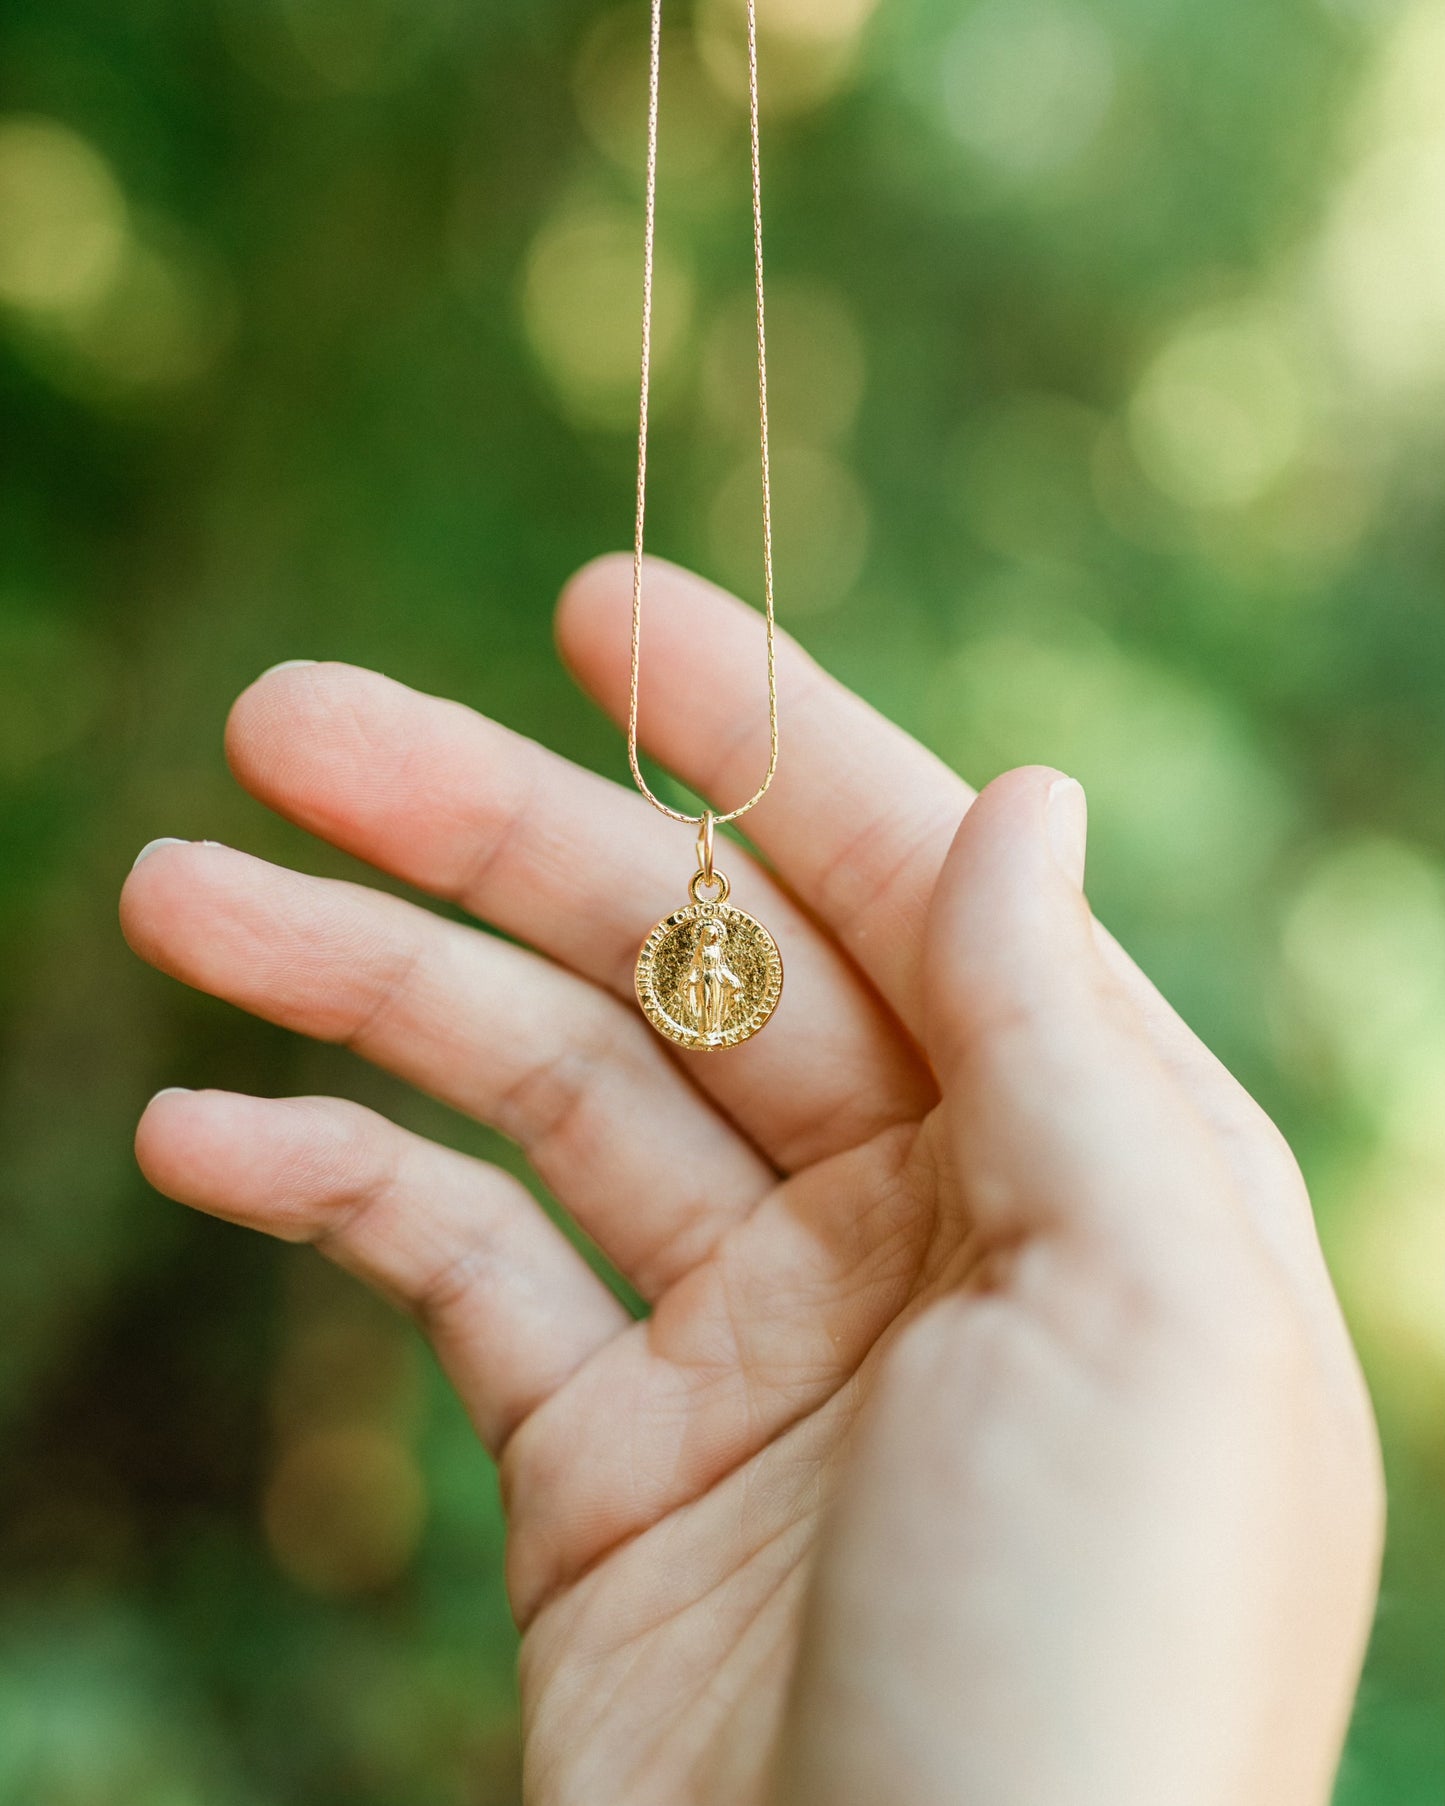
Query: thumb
x=1059, y=1114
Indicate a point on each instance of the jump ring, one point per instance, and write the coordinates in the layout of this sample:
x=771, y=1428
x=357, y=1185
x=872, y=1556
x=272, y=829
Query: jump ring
x=702, y=881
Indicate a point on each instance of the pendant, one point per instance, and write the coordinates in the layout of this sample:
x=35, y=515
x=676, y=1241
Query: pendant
x=709, y=975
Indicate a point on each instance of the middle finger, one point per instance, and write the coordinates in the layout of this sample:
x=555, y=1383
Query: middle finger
x=579, y=868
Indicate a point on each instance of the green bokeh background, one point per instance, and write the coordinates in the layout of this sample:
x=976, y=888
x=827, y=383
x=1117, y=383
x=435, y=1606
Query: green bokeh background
x=1109, y=356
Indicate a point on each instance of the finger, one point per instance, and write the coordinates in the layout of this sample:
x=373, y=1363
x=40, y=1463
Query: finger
x=577, y=867
x=511, y=1308
x=1062, y=1117
x=861, y=817
x=629, y=1147
x=1065, y=1099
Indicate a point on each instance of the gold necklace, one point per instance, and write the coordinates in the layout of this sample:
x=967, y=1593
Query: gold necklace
x=708, y=975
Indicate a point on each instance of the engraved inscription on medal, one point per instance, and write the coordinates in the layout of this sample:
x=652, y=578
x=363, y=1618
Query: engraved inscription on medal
x=709, y=976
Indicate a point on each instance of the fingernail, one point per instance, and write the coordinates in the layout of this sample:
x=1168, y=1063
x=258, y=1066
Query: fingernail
x=287, y=664
x=175, y=1091
x=151, y=845
x=1068, y=810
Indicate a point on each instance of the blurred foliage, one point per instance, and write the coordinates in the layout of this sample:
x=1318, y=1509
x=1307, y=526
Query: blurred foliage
x=1109, y=346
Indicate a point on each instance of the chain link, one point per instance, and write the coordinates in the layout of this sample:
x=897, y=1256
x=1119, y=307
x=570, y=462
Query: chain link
x=649, y=242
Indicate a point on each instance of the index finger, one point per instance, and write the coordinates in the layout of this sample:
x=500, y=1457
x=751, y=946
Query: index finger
x=859, y=818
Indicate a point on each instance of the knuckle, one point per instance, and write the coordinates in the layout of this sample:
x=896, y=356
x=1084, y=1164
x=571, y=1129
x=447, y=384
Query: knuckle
x=383, y=966
x=546, y=1106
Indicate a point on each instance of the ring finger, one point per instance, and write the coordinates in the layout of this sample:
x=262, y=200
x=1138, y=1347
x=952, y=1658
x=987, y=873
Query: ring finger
x=640, y=1159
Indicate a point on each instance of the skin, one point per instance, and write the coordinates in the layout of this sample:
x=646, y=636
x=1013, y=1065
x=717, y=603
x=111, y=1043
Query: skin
x=994, y=1436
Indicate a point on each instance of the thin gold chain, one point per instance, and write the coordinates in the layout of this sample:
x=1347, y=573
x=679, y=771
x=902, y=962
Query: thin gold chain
x=650, y=236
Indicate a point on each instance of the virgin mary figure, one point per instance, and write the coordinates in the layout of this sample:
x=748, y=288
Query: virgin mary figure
x=710, y=986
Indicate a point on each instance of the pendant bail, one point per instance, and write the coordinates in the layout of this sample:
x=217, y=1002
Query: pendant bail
x=706, y=878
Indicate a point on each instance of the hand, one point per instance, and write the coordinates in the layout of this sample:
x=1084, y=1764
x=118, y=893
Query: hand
x=994, y=1436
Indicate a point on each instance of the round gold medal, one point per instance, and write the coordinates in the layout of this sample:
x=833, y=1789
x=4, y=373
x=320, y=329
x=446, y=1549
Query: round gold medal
x=709, y=975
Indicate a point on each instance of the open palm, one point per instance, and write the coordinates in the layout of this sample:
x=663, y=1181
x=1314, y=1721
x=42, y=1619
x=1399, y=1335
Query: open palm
x=979, y=1292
